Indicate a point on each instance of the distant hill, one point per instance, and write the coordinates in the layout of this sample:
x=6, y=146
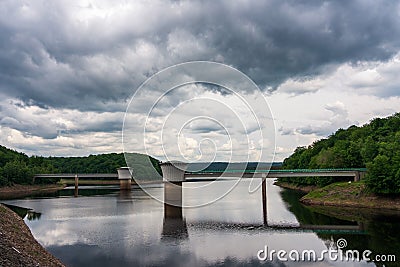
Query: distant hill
x=222, y=166
x=144, y=168
x=375, y=145
x=18, y=168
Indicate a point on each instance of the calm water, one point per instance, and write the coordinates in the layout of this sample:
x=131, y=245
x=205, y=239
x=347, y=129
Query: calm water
x=103, y=227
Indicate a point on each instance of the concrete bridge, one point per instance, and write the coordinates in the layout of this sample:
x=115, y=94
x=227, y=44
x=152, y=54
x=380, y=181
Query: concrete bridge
x=355, y=173
x=123, y=175
x=175, y=173
x=111, y=176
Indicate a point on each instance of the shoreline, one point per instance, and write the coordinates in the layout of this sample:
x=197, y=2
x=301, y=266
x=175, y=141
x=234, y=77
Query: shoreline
x=20, y=191
x=18, y=247
x=304, y=189
x=344, y=194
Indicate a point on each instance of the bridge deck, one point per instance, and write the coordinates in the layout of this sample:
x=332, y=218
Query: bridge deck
x=352, y=172
x=80, y=175
x=282, y=170
x=278, y=173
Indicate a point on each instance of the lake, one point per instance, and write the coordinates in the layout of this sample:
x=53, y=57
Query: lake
x=108, y=227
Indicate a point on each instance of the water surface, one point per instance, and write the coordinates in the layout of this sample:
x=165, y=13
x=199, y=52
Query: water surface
x=107, y=227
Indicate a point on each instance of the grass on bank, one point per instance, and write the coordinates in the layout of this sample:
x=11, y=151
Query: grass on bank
x=354, y=194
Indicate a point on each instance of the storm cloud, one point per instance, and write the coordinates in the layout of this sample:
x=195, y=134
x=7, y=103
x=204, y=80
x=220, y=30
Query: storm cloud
x=82, y=55
x=70, y=68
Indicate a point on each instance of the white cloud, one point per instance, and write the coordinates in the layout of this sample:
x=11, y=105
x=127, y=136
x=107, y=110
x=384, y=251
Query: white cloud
x=353, y=94
x=376, y=78
x=67, y=71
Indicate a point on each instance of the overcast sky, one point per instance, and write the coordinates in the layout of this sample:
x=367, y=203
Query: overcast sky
x=69, y=68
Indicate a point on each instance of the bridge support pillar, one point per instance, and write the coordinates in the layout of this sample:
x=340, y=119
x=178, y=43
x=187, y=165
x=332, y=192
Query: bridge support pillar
x=173, y=200
x=358, y=176
x=125, y=178
x=264, y=200
x=173, y=177
x=76, y=185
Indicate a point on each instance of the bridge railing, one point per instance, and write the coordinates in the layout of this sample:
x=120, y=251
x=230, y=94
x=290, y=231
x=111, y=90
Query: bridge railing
x=280, y=171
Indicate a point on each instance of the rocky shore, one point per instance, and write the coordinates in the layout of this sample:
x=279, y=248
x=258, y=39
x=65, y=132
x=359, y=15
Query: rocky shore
x=18, y=247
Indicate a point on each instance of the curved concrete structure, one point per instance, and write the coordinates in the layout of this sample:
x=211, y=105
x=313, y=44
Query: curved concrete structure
x=173, y=171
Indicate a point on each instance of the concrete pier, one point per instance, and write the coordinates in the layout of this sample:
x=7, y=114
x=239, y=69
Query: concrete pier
x=76, y=185
x=359, y=176
x=173, y=177
x=174, y=225
x=264, y=200
x=172, y=197
x=125, y=178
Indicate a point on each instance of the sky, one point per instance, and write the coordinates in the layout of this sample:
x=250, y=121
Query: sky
x=68, y=71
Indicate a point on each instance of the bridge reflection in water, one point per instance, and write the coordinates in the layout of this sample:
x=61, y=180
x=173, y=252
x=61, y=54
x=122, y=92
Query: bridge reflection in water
x=174, y=174
x=175, y=227
x=174, y=224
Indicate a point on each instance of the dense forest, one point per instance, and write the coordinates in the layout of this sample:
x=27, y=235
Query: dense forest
x=375, y=146
x=18, y=168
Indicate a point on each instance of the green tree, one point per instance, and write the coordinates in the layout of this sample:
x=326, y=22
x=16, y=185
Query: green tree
x=17, y=172
x=379, y=176
x=375, y=145
x=369, y=149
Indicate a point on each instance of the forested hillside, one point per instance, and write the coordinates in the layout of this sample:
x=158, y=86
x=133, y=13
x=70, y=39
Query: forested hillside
x=104, y=163
x=18, y=168
x=375, y=145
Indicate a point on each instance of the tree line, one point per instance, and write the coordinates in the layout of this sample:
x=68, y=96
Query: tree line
x=18, y=168
x=375, y=145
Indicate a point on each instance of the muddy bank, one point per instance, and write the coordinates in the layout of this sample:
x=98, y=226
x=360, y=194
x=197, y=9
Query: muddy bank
x=301, y=188
x=344, y=194
x=19, y=191
x=17, y=245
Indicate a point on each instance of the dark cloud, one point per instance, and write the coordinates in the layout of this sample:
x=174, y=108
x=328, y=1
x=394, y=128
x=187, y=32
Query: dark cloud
x=32, y=120
x=52, y=55
x=96, y=126
x=205, y=126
